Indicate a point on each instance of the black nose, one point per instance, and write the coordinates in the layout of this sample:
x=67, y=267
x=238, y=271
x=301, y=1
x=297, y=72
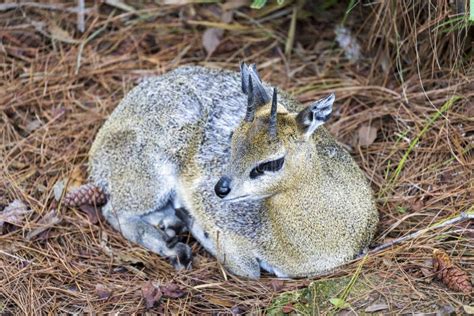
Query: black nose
x=222, y=187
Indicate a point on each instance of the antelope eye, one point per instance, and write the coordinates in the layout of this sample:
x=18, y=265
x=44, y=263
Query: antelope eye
x=271, y=166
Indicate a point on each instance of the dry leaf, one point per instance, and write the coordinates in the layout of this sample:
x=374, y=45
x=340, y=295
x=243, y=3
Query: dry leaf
x=288, y=308
x=177, y=2
x=58, y=113
x=445, y=309
x=367, y=135
x=450, y=274
x=417, y=206
x=427, y=274
x=219, y=301
x=61, y=35
x=238, y=310
x=376, y=308
x=58, y=189
x=227, y=16
x=277, y=285
x=211, y=39
x=469, y=111
x=33, y=125
x=14, y=214
x=129, y=258
x=151, y=294
x=427, y=270
x=234, y=4
x=45, y=223
x=91, y=212
x=120, y=5
x=468, y=309
x=348, y=43
x=172, y=291
x=104, y=238
x=102, y=291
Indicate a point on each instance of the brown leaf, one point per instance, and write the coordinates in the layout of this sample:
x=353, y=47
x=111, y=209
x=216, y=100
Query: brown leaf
x=469, y=111
x=76, y=178
x=33, y=125
x=227, y=16
x=120, y=5
x=59, y=34
x=211, y=39
x=91, y=213
x=450, y=274
x=45, y=223
x=376, y=308
x=277, y=285
x=427, y=274
x=151, y=294
x=288, y=308
x=102, y=291
x=218, y=301
x=445, y=309
x=234, y=4
x=58, y=113
x=238, y=310
x=418, y=206
x=14, y=214
x=367, y=135
x=172, y=291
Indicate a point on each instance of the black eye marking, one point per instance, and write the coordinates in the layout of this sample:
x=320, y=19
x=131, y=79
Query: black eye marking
x=271, y=166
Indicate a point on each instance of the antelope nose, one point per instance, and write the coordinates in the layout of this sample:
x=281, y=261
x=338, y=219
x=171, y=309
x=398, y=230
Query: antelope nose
x=222, y=187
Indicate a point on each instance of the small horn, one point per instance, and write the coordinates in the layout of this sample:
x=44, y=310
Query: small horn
x=244, y=75
x=252, y=86
x=260, y=95
x=250, y=102
x=273, y=115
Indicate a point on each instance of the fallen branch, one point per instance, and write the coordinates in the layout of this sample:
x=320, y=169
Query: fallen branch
x=44, y=6
x=469, y=215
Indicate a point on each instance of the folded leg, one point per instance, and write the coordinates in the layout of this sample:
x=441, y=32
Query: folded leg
x=138, y=230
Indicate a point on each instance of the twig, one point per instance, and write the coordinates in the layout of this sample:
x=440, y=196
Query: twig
x=120, y=5
x=80, y=16
x=84, y=43
x=461, y=217
x=15, y=257
x=58, y=7
x=291, y=32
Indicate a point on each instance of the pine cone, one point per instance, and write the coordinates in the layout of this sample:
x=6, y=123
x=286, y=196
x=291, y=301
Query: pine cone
x=450, y=274
x=88, y=194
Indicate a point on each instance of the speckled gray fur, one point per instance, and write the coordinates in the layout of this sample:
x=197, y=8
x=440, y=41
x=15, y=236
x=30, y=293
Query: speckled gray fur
x=167, y=144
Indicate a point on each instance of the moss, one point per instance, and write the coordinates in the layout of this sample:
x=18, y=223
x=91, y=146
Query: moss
x=314, y=300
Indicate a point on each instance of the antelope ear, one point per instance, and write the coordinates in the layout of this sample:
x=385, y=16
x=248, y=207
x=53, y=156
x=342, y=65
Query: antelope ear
x=315, y=115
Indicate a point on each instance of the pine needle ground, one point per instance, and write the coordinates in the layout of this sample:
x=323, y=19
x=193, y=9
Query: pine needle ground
x=58, y=85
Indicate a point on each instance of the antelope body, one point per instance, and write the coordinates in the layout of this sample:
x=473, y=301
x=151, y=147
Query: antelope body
x=252, y=174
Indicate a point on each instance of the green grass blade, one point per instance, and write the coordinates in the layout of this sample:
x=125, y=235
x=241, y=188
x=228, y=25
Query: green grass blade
x=471, y=11
x=446, y=106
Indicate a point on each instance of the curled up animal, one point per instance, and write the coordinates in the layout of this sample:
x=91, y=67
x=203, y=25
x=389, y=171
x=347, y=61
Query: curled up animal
x=250, y=172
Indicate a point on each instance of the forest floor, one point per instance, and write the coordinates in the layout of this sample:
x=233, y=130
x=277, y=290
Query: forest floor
x=404, y=83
